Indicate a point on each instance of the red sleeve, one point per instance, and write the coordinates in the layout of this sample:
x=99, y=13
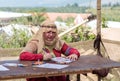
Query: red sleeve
x=67, y=50
x=30, y=56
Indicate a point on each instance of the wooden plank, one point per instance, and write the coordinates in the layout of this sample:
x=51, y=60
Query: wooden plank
x=84, y=64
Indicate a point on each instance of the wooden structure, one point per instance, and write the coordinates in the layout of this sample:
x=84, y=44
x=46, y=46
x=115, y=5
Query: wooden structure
x=85, y=64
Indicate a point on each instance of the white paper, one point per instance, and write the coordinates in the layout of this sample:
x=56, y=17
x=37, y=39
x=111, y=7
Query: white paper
x=52, y=66
x=10, y=64
x=61, y=60
x=14, y=64
x=2, y=68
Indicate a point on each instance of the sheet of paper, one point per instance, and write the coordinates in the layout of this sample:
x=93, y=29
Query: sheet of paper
x=61, y=60
x=10, y=64
x=52, y=66
x=14, y=64
x=2, y=68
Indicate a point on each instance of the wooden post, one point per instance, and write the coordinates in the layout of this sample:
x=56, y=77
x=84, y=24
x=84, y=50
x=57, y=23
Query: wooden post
x=78, y=77
x=99, y=25
x=99, y=17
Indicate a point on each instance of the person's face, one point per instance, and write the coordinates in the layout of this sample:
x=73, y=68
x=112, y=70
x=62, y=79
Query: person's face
x=49, y=37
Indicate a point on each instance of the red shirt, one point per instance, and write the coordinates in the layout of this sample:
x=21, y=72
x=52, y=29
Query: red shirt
x=66, y=50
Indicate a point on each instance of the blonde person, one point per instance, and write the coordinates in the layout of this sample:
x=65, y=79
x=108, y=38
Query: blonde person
x=47, y=39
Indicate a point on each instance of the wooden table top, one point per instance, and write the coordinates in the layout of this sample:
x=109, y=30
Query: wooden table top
x=84, y=64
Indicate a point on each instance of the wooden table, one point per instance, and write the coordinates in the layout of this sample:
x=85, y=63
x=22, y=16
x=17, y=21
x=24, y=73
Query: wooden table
x=84, y=64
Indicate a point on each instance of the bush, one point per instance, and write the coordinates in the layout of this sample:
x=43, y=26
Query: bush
x=81, y=33
x=18, y=39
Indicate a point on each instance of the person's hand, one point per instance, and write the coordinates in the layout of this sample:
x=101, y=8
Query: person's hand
x=72, y=57
x=47, y=56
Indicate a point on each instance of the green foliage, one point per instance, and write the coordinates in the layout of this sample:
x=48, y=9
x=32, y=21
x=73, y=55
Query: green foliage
x=23, y=9
x=80, y=34
x=67, y=38
x=109, y=13
x=17, y=40
x=69, y=20
x=21, y=20
x=37, y=19
x=67, y=9
x=34, y=20
x=104, y=23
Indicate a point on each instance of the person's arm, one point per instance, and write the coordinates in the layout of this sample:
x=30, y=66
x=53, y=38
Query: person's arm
x=70, y=52
x=29, y=52
x=30, y=56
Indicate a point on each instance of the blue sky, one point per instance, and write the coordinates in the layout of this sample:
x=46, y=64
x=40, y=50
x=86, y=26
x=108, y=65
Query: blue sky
x=48, y=3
